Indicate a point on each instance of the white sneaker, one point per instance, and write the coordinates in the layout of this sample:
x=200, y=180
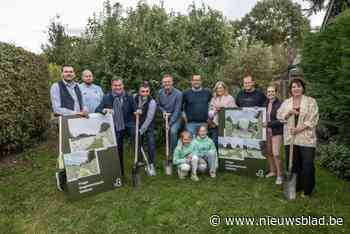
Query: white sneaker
x=270, y=174
x=194, y=177
x=279, y=180
x=152, y=170
x=181, y=174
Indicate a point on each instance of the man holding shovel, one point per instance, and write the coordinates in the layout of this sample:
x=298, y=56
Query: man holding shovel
x=147, y=106
x=299, y=113
x=170, y=104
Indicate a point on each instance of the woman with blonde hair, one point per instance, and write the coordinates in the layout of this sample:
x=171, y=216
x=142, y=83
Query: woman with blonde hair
x=274, y=134
x=221, y=99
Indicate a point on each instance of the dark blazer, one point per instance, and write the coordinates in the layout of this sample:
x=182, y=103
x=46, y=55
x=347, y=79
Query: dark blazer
x=275, y=124
x=129, y=107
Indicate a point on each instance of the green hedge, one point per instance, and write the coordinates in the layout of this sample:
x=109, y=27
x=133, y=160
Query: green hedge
x=336, y=157
x=24, y=95
x=326, y=64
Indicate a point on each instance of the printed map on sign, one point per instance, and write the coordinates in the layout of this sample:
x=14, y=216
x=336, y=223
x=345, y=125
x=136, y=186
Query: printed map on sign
x=242, y=139
x=92, y=133
x=239, y=149
x=81, y=164
x=245, y=123
x=89, y=155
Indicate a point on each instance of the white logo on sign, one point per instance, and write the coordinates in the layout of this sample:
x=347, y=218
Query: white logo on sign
x=260, y=173
x=117, y=183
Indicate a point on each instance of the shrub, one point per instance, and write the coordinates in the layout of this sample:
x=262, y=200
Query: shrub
x=55, y=73
x=24, y=106
x=326, y=64
x=336, y=157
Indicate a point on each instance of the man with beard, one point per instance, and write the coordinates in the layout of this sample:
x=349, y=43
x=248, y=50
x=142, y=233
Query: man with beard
x=148, y=107
x=196, y=105
x=66, y=99
x=122, y=106
x=250, y=96
x=92, y=94
x=170, y=104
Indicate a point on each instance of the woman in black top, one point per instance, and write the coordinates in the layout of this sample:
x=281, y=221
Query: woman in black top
x=274, y=135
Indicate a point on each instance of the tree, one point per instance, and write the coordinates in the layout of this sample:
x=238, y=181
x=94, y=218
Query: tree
x=273, y=22
x=318, y=5
x=58, y=43
x=315, y=6
x=256, y=59
x=145, y=42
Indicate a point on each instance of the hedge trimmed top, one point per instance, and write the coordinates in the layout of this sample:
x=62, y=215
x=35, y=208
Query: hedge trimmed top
x=24, y=106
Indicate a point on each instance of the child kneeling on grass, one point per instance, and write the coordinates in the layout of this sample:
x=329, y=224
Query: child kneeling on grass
x=204, y=148
x=184, y=158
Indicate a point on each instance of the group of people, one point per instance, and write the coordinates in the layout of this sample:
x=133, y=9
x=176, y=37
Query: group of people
x=197, y=109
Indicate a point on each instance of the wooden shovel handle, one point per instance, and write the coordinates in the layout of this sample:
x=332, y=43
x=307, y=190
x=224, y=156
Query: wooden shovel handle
x=291, y=152
x=137, y=138
x=167, y=137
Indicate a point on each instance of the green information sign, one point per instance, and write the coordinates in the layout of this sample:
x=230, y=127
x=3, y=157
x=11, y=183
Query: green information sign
x=242, y=141
x=90, y=156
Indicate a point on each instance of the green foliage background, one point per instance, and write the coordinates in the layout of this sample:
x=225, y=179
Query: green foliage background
x=145, y=42
x=140, y=43
x=326, y=64
x=24, y=106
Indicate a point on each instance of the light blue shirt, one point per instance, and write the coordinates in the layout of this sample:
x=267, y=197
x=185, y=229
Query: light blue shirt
x=92, y=96
x=56, y=99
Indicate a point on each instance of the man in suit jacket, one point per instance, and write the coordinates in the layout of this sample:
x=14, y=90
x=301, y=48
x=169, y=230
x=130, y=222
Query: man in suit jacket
x=122, y=106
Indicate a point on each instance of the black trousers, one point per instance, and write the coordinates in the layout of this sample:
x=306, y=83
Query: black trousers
x=120, y=135
x=303, y=166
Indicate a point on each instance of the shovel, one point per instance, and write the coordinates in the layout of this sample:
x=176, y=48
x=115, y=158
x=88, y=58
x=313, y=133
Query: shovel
x=136, y=177
x=147, y=168
x=289, y=184
x=167, y=164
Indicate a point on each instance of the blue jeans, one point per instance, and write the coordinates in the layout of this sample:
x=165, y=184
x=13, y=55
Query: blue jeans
x=192, y=127
x=214, y=135
x=174, y=131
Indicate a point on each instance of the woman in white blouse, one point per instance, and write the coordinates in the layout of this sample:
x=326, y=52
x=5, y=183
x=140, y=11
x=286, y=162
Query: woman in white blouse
x=299, y=113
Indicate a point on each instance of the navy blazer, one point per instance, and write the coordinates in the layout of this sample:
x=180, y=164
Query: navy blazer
x=129, y=107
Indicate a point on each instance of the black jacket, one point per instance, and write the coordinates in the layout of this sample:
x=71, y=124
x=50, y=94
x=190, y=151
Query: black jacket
x=129, y=107
x=275, y=124
x=252, y=99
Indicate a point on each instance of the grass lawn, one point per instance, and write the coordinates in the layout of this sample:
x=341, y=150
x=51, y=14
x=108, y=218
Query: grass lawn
x=30, y=203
